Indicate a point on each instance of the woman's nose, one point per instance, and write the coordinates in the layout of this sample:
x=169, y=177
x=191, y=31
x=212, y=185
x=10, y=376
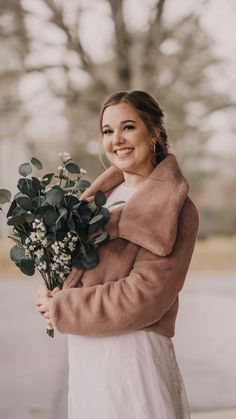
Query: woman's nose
x=117, y=137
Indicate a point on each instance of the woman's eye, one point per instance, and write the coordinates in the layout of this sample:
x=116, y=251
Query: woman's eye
x=128, y=127
x=107, y=131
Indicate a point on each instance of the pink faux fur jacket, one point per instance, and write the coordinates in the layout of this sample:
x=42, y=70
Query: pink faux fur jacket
x=142, y=267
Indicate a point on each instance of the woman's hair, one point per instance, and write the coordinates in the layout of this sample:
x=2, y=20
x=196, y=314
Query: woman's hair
x=149, y=111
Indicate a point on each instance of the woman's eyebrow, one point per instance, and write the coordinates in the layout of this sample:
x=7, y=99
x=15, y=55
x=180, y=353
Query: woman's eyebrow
x=122, y=122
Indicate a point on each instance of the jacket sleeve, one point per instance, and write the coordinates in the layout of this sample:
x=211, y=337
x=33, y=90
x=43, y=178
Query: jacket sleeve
x=135, y=301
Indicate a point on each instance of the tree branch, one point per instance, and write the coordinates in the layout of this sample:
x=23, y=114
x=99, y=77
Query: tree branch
x=152, y=43
x=73, y=41
x=122, y=44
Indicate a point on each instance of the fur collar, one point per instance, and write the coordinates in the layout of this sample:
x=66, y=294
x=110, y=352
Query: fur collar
x=150, y=217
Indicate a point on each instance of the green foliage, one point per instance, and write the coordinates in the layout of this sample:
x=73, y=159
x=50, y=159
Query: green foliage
x=5, y=196
x=49, y=220
x=55, y=196
x=25, y=169
x=36, y=163
x=99, y=198
x=17, y=253
x=27, y=266
x=72, y=168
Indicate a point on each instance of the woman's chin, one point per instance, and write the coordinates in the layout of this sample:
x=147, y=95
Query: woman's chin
x=122, y=164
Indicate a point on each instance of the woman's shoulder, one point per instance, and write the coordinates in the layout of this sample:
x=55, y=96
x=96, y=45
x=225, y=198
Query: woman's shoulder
x=189, y=214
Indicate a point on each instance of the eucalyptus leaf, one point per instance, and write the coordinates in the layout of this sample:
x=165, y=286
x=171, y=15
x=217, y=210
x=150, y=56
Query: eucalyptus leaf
x=36, y=163
x=55, y=196
x=82, y=185
x=15, y=239
x=46, y=179
x=27, y=266
x=50, y=217
x=37, y=202
x=96, y=219
x=72, y=168
x=77, y=263
x=69, y=184
x=101, y=238
x=106, y=214
x=93, y=207
x=24, y=202
x=71, y=223
x=25, y=169
x=58, y=225
x=62, y=214
x=117, y=203
x=25, y=186
x=22, y=185
x=100, y=198
x=71, y=201
x=11, y=209
x=36, y=185
x=85, y=214
x=17, y=253
x=5, y=196
x=90, y=259
x=41, y=211
x=21, y=219
x=18, y=211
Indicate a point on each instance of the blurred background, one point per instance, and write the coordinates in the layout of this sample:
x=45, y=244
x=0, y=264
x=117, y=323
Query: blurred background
x=58, y=60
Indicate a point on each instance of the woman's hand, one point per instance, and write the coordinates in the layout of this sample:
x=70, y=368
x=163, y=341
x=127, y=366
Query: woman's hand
x=44, y=300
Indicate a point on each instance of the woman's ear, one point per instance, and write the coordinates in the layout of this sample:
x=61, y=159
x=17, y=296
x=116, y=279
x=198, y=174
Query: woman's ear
x=157, y=131
x=156, y=135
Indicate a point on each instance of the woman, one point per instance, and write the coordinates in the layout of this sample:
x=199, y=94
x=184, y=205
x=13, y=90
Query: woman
x=120, y=316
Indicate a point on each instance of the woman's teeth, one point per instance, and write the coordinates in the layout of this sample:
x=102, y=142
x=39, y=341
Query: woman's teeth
x=124, y=152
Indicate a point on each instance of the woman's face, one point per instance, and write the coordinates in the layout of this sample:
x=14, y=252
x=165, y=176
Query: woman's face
x=125, y=139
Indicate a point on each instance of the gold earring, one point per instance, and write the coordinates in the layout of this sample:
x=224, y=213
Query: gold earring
x=153, y=148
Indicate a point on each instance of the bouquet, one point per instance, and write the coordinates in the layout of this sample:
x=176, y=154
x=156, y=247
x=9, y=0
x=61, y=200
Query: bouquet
x=52, y=227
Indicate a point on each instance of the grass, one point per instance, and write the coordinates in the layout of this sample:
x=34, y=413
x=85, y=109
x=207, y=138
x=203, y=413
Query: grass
x=215, y=253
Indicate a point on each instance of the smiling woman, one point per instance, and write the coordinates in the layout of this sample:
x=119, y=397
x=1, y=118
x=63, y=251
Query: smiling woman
x=120, y=316
x=132, y=130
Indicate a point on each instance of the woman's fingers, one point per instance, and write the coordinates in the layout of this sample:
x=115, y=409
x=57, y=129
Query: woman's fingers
x=43, y=292
x=43, y=309
x=49, y=325
x=41, y=300
x=54, y=291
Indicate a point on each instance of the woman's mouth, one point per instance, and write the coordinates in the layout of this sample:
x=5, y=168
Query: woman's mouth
x=124, y=152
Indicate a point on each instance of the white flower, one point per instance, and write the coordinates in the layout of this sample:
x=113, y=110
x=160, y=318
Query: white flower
x=27, y=253
x=71, y=247
x=39, y=253
x=66, y=154
x=83, y=171
x=32, y=236
x=44, y=243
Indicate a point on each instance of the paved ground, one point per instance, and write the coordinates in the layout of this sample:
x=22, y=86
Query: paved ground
x=33, y=383
x=217, y=414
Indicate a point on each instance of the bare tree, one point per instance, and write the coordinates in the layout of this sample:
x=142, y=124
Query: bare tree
x=140, y=59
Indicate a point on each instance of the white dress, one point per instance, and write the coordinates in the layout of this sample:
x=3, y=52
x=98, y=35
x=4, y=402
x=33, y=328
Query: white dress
x=134, y=375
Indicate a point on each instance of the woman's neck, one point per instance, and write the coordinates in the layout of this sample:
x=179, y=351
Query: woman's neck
x=137, y=179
